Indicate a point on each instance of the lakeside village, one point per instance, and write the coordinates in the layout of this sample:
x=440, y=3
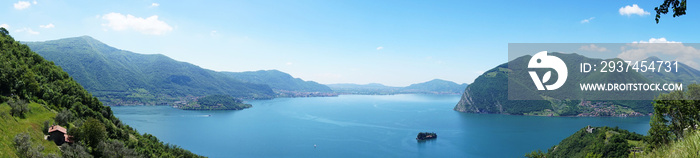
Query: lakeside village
x=594, y=109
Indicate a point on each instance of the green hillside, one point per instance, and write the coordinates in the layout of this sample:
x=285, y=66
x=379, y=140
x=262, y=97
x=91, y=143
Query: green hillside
x=25, y=75
x=32, y=123
x=595, y=142
x=278, y=80
x=121, y=77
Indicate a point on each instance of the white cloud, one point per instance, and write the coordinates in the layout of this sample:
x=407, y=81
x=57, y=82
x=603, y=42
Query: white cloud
x=34, y=2
x=150, y=25
x=593, y=48
x=6, y=26
x=656, y=40
x=27, y=30
x=289, y=63
x=380, y=48
x=634, y=9
x=22, y=5
x=155, y=4
x=214, y=33
x=48, y=26
x=587, y=20
x=640, y=50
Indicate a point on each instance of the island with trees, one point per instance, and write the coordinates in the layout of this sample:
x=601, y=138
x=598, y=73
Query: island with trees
x=215, y=102
x=426, y=136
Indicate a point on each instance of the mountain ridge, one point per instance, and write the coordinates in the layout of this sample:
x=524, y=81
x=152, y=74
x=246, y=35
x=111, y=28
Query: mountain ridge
x=120, y=77
x=435, y=86
x=278, y=80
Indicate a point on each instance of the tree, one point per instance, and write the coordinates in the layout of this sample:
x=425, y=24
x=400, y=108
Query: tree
x=45, y=128
x=677, y=5
x=23, y=143
x=74, y=151
x=674, y=114
x=18, y=107
x=536, y=154
x=92, y=132
x=4, y=31
x=64, y=117
x=115, y=149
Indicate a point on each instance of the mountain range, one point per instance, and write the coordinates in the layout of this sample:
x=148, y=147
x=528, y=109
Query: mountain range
x=436, y=86
x=119, y=77
x=279, y=81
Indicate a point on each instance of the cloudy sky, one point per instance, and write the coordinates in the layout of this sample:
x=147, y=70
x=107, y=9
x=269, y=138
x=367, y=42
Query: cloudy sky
x=395, y=43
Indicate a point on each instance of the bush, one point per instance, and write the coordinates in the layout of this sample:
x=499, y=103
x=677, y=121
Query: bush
x=45, y=129
x=74, y=151
x=115, y=149
x=64, y=117
x=24, y=147
x=19, y=107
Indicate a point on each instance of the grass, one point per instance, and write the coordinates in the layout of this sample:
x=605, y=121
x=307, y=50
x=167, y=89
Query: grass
x=688, y=147
x=32, y=124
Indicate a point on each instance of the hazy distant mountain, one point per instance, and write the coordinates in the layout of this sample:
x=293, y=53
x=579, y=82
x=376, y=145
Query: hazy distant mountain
x=686, y=74
x=436, y=86
x=278, y=80
x=122, y=77
x=372, y=88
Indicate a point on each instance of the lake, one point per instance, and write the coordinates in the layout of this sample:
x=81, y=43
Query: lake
x=358, y=126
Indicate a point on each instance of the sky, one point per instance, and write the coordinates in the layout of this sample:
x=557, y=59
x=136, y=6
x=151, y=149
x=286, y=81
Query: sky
x=396, y=43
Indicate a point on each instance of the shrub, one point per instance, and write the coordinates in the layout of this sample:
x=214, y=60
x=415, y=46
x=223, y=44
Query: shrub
x=18, y=107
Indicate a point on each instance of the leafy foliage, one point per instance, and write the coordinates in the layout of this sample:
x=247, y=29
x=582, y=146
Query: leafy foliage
x=115, y=149
x=64, y=117
x=92, y=132
x=26, y=75
x=674, y=114
x=25, y=149
x=75, y=151
x=681, y=148
x=19, y=107
x=678, y=6
x=536, y=154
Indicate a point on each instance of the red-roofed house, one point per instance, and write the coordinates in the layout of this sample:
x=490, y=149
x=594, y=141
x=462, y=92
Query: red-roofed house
x=59, y=135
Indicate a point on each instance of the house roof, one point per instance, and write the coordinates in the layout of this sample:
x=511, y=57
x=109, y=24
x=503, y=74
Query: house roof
x=58, y=128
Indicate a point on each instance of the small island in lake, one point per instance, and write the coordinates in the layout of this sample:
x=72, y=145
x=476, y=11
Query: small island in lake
x=426, y=136
x=216, y=102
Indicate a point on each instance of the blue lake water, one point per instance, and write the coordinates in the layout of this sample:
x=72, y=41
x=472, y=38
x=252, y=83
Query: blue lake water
x=358, y=126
